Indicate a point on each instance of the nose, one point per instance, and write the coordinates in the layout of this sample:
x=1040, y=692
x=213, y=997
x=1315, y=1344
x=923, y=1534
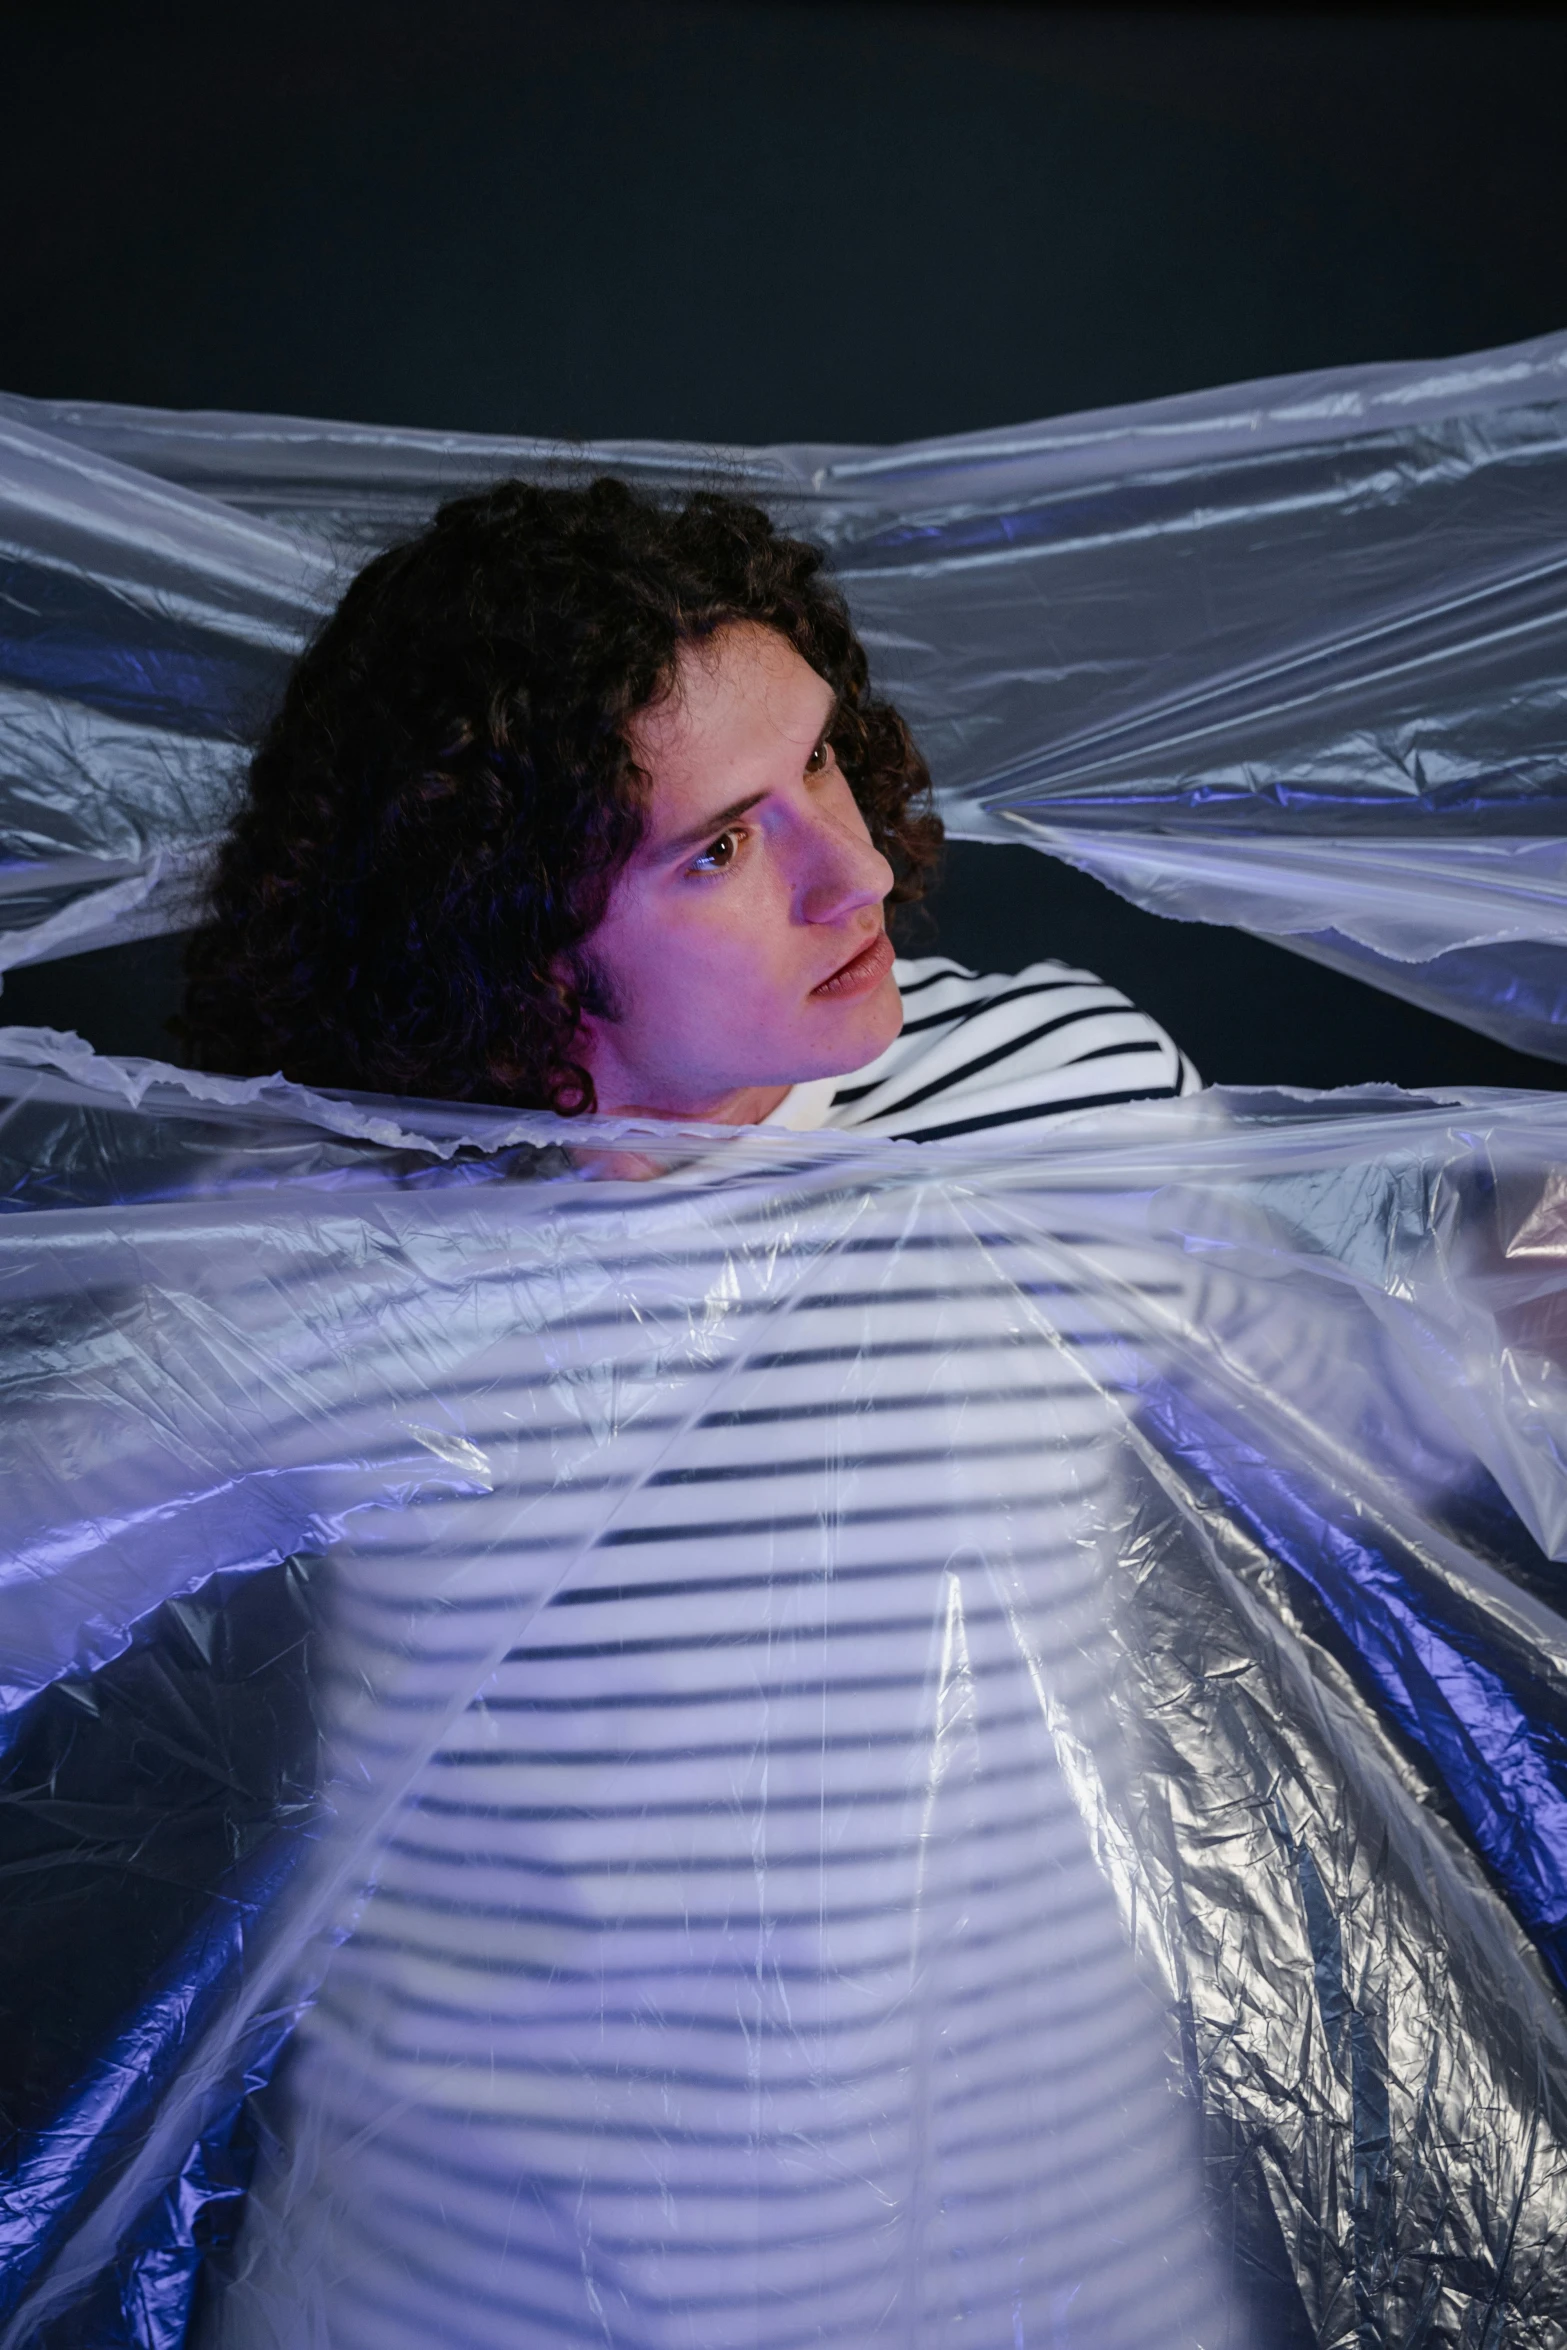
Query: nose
x=841, y=869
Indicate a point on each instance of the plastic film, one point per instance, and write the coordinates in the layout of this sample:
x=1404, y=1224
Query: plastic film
x=1282, y=655
x=881, y=1741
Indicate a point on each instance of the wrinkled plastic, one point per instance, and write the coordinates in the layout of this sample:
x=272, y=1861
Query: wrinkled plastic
x=883, y=1742
x=1285, y=655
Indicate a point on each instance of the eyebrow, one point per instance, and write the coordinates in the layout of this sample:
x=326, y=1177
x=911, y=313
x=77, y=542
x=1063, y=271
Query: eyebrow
x=709, y=828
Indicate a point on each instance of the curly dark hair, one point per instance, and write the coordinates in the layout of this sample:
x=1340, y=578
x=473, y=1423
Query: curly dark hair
x=436, y=815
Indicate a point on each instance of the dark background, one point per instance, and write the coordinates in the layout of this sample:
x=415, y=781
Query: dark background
x=723, y=220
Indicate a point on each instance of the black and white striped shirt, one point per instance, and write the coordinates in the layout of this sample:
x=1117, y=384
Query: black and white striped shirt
x=738, y=1973
x=1006, y=1050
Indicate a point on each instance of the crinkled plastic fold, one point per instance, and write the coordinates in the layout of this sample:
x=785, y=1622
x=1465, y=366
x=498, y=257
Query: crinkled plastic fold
x=1284, y=655
x=799, y=1739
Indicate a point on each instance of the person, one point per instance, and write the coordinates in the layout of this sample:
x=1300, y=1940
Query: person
x=582, y=802
x=716, y=1984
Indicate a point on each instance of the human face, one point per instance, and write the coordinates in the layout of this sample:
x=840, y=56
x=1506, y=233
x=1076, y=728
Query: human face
x=744, y=943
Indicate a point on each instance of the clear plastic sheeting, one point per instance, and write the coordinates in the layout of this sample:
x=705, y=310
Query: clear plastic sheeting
x=797, y=1740
x=144, y=635
x=1286, y=655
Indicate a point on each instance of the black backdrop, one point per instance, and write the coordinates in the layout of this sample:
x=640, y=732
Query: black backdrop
x=726, y=220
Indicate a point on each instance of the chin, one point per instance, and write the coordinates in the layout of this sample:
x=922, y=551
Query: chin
x=866, y=1031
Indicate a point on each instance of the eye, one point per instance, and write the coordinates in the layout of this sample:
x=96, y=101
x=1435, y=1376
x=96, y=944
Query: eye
x=718, y=855
x=820, y=759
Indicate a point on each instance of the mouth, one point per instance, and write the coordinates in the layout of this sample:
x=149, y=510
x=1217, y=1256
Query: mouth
x=863, y=971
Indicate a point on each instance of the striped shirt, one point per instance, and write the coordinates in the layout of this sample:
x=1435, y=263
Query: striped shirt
x=1007, y=1050
x=737, y=1972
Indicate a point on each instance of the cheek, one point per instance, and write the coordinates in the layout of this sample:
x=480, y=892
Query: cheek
x=678, y=964
x=739, y=932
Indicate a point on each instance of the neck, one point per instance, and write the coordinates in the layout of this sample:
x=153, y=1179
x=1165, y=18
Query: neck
x=748, y=1105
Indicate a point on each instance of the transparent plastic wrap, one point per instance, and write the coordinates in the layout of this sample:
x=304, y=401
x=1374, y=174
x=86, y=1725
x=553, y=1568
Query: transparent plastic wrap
x=1286, y=655
x=797, y=1739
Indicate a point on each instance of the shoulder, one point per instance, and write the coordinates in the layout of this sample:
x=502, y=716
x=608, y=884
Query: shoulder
x=1005, y=1048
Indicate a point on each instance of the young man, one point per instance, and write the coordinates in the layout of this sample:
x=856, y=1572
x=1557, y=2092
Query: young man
x=738, y=1969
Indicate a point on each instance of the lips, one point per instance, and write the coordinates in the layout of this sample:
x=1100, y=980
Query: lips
x=862, y=972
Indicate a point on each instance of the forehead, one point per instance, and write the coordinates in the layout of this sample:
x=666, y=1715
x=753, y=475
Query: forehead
x=743, y=714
